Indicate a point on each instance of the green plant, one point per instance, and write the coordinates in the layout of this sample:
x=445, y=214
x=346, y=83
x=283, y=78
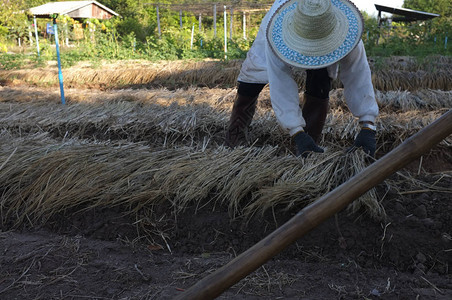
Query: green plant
x=12, y=61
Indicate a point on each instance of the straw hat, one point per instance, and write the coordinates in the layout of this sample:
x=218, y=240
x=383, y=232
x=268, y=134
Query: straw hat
x=313, y=34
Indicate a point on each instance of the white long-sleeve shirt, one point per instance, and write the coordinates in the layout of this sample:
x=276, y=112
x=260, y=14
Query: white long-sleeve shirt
x=263, y=66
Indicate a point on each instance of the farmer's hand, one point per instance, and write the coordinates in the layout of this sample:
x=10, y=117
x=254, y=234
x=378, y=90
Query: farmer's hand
x=366, y=140
x=305, y=144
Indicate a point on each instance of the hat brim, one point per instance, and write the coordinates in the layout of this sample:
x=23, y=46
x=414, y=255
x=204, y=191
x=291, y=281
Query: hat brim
x=315, y=54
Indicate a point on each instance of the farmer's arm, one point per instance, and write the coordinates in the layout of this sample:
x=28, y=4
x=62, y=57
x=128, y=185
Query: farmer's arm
x=360, y=96
x=284, y=94
x=358, y=89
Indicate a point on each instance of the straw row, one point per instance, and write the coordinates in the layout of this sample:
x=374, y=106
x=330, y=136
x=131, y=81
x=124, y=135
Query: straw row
x=418, y=100
x=190, y=125
x=220, y=99
x=167, y=73
x=42, y=177
x=403, y=101
x=394, y=80
x=116, y=120
x=208, y=73
x=410, y=63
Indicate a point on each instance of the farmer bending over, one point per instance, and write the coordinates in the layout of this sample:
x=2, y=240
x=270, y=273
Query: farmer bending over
x=316, y=36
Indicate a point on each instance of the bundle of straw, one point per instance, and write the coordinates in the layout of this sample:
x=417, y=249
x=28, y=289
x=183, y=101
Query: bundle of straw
x=42, y=177
x=192, y=123
x=212, y=73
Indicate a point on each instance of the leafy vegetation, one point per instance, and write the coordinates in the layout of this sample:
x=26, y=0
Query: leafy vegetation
x=135, y=34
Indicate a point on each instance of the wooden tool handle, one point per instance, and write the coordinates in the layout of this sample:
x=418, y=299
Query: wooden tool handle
x=312, y=215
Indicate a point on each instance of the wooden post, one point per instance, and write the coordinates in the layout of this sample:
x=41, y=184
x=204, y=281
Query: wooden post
x=30, y=36
x=314, y=214
x=244, y=25
x=225, y=34
x=231, y=19
x=180, y=18
x=379, y=26
x=158, y=21
x=66, y=34
x=215, y=20
x=379, y=18
x=192, y=34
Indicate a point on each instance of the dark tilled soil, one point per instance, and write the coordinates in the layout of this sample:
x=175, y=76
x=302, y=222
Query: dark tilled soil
x=102, y=254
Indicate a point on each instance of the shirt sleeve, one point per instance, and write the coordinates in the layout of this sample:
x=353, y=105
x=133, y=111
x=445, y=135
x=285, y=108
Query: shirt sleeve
x=254, y=67
x=284, y=94
x=358, y=89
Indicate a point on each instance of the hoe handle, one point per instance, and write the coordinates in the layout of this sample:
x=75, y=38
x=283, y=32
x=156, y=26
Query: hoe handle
x=312, y=215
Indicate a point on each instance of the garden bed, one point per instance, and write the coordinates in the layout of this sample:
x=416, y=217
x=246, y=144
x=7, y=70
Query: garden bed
x=130, y=194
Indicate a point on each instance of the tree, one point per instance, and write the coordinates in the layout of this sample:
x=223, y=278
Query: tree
x=13, y=24
x=11, y=15
x=8, y=11
x=441, y=26
x=442, y=7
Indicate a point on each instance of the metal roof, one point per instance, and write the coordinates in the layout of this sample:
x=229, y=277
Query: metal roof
x=409, y=14
x=66, y=7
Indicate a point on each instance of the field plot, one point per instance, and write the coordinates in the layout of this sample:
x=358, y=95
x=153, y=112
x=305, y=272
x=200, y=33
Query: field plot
x=127, y=192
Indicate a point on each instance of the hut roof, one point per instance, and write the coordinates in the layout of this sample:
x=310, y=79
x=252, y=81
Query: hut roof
x=74, y=9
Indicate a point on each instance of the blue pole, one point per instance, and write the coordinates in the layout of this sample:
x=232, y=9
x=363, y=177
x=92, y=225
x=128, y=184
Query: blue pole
x=60, y=74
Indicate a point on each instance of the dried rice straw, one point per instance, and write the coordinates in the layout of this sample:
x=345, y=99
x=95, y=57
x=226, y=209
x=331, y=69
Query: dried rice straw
x=46, y=177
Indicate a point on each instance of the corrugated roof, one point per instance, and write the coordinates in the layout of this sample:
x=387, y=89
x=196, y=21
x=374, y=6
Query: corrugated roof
x=409, y=13
x=66, y=7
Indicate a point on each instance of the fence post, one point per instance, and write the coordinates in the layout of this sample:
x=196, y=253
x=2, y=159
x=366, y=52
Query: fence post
x=215, y=20
x=60, y=73
x=244, y=25
x=180, y=18
x=66, y=34
x=192, y=31
x=225, y=34
x=158, y=22
x=30, y=36
x=379, y=27
x=36, y=34
x=231, y=19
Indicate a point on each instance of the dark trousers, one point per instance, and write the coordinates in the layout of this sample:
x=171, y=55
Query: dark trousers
x=318, y=84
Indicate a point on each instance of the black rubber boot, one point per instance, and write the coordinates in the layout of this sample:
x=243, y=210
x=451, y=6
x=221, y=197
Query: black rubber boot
x=241, y=117
x=315, y=111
